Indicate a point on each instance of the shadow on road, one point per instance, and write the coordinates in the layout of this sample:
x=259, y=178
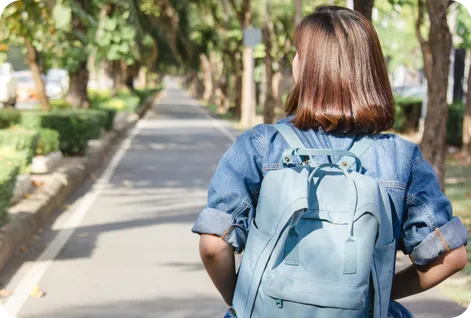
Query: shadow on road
x=192, y=307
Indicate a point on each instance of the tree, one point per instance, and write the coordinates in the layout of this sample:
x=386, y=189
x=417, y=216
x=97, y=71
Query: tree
x=244, y=15
x=365, y=7
x=298, y=11
x=436, y=54
x=267, y=35
x=77, y=95
x=28, y=23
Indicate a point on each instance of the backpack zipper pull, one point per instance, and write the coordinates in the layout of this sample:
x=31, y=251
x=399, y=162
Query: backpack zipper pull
x=279, y=303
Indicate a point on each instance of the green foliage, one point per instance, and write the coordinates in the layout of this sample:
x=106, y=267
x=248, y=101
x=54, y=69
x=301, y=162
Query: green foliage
x=9, y=170
x=75, y=127
x=464, y=28
x=395, y=26
x=60, y=104
x=9, y=117
x=49, y=141
x=455, y=124
x=408, y=111
x=20, y=139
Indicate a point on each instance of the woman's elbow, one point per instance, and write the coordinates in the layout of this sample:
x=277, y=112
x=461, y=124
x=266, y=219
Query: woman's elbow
x=212, y=247
x=458, y=258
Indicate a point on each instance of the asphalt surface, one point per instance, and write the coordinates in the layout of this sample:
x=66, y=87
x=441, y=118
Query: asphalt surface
x=133, y=254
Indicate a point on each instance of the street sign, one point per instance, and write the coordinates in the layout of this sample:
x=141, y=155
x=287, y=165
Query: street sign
x=252, y=37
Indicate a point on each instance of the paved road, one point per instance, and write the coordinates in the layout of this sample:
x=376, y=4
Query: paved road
x=132, y=254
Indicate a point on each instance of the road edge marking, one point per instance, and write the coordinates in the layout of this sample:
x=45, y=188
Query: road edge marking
x=15, y=303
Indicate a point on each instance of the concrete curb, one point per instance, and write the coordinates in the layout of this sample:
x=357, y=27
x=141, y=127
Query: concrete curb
x=27, y=217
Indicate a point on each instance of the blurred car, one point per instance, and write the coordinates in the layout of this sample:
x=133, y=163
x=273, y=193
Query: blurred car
x=26, y=91
x=412, y=91
x=57, y=83
x=8, y=85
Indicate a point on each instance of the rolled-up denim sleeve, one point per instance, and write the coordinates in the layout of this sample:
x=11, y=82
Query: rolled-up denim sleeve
x=429, y=227
x=233, y=191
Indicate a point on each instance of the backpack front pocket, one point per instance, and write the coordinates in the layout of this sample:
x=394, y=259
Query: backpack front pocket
x=295, y=297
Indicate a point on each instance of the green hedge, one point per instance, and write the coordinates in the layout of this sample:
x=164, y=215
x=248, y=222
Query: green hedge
x=49, y=141
x=75, y=127
x=20, y=139
x=9, y=117
x=110, y=116
x=8, y=173
x=455, y=124
x=408, y=111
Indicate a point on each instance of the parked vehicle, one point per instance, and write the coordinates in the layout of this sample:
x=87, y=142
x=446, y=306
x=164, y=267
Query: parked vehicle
x=27, y=91
x=8, y=85
x=57, y=83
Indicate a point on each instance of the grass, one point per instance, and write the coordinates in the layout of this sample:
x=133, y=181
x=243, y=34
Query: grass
x=458, y=189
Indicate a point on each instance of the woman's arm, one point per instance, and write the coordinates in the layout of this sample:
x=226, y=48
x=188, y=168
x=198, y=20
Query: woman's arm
x=218, y=259
x=416, y=279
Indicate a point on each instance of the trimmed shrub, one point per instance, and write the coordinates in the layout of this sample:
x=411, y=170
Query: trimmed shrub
x=110, y=115
x=408, y=111
x=8, y=172
x=49, y=141
x=15, y=157
x=75, y=127
x=9, y=117
x=59, y=104
x=455, y=124
x=20, y=139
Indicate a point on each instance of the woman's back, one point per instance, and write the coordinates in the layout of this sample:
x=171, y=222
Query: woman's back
x=342, y=91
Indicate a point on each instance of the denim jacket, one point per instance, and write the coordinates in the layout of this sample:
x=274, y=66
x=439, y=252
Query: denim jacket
x=424, y=225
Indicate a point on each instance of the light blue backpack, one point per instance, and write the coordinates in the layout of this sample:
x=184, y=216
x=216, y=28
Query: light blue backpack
x=321, y=243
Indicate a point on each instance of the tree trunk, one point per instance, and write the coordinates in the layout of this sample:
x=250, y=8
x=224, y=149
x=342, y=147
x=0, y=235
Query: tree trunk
x=77, y=95
x=132, y=72
x=365, y=7
x=247, y=109
x=268, y=107
x=458, y=74
x=118, y=72
x=33, y=58
x=298, y=11
x=433, y=143
x=78, y=78
x=247, y=105
x=207, y=79
x=467, y=121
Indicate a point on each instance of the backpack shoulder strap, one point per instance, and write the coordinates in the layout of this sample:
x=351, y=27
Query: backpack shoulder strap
x=359, y=147
x=289, y=135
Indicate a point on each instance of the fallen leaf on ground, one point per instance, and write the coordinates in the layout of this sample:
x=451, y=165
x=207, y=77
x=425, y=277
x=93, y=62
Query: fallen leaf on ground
x=5, y=293
x=24, y=249
x=36, y=292
x=37, y=183
x=65, y=207
x=28, y=196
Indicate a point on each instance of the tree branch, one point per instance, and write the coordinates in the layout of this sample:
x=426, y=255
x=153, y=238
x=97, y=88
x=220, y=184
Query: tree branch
x=420, y=21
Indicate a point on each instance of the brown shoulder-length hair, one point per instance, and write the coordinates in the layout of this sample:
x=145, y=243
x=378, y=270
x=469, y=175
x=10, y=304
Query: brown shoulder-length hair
x=343, y=83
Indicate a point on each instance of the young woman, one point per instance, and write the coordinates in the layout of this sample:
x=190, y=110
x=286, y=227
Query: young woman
x=342, y=90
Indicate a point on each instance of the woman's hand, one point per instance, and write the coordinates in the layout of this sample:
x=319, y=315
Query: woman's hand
x=218, y=259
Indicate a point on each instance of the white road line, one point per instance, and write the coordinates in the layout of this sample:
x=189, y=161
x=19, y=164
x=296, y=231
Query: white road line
x=215, y=122
x=39, y=267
